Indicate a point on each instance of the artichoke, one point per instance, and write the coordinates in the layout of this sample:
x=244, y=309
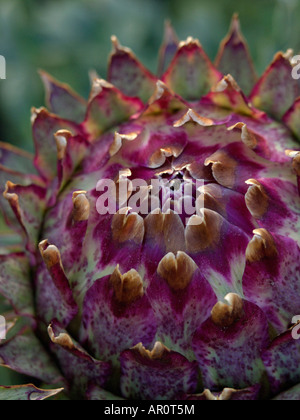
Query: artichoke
x=161, y=303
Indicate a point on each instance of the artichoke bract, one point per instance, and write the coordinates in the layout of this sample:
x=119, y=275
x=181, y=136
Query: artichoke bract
x=159, y=303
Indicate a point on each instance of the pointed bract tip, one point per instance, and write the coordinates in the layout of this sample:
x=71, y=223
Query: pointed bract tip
x=190, y=42
x=118, y=141
x=160, y=90
x=227, y=82
x=31, y=392
x=203, y=231
x=281, y=56
x=123, y=174
x=61, y=138
x=81, y=206
x=261, y=246
x=49, y=80
x=168, y=48
x=115, y=42
x=235, y=26
x=157, y=353
x=193, y=116
x=128, y=287
x=8, y=186
x=177, y=270
x=35, y=112
x=46, y=77
x=169, y=33
x=223, y=168
x=63, y=339
x=247, y=137
x=127, y=227
x=256, y=198
x=235, y=35
x=49, y=253
x=208, y=395
x=289, y=55
x=117, y=47
x=97, y=87
x=225, y=314
x=11, y=197
x=93, y=75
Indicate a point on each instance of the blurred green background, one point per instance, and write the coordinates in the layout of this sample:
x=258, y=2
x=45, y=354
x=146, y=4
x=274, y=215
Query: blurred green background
x=68, y=38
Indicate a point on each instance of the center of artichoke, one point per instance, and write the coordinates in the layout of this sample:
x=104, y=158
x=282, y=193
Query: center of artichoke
x=172, y=191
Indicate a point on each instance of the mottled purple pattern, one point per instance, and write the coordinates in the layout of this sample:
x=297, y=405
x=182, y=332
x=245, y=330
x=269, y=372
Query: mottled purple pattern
x=283, y=207
x=62, y=284
x=277, y=90
x=154, y=137
x=231, y=357
x=15, y=159
x=191, y=73
x=51, y=302
x=247, y=162
x=98, y=155
x=44, y=126
x=95, y=393
x=29, y=211
x=292, y=118
x=282, y=362
x=15, y=175
x=273, y=138
x=25, y=354
x=231, y=205
x=274, y=283
x=71, y=241
x=234, y=99
x=163, y=379
x=26, y=393
x=249, y=165
x=62, y=100
x=127, y=254
x=157, y=243
x=130, y=76
x=108, y=109
x=292, y=394
x=179, y=313
x=78, y=367
x=224, y=274
x=15, y=282
x=75, y=152
x=100, y=252
x=109, y=327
